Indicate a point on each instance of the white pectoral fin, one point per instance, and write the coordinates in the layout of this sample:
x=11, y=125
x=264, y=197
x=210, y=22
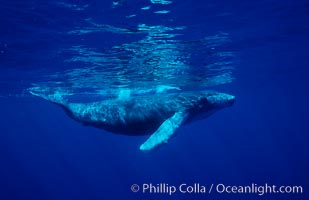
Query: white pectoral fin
x=165, y=131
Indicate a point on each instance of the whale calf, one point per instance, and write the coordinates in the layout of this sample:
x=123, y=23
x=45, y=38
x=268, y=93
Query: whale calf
x=159, y=115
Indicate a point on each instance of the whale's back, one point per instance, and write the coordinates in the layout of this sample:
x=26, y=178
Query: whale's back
x=136, y=116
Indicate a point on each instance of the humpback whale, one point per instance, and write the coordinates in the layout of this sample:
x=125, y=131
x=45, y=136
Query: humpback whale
x=159, y=114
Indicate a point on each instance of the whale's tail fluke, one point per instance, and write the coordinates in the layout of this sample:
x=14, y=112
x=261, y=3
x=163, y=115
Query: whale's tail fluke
x=54, y=96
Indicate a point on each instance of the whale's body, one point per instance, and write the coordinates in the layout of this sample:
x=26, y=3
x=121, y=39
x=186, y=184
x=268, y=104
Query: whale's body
x=158, y=114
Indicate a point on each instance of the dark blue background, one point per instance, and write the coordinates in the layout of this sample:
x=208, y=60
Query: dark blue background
x=262, y=139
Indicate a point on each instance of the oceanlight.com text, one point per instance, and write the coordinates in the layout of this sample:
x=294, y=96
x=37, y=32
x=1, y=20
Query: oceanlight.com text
x=220, y=188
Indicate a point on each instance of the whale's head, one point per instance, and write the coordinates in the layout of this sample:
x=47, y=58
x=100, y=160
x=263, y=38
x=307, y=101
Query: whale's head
x=219, y=100
x=207, y=103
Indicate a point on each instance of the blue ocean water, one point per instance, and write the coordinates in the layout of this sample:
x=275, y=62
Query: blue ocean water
x=255, y=50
